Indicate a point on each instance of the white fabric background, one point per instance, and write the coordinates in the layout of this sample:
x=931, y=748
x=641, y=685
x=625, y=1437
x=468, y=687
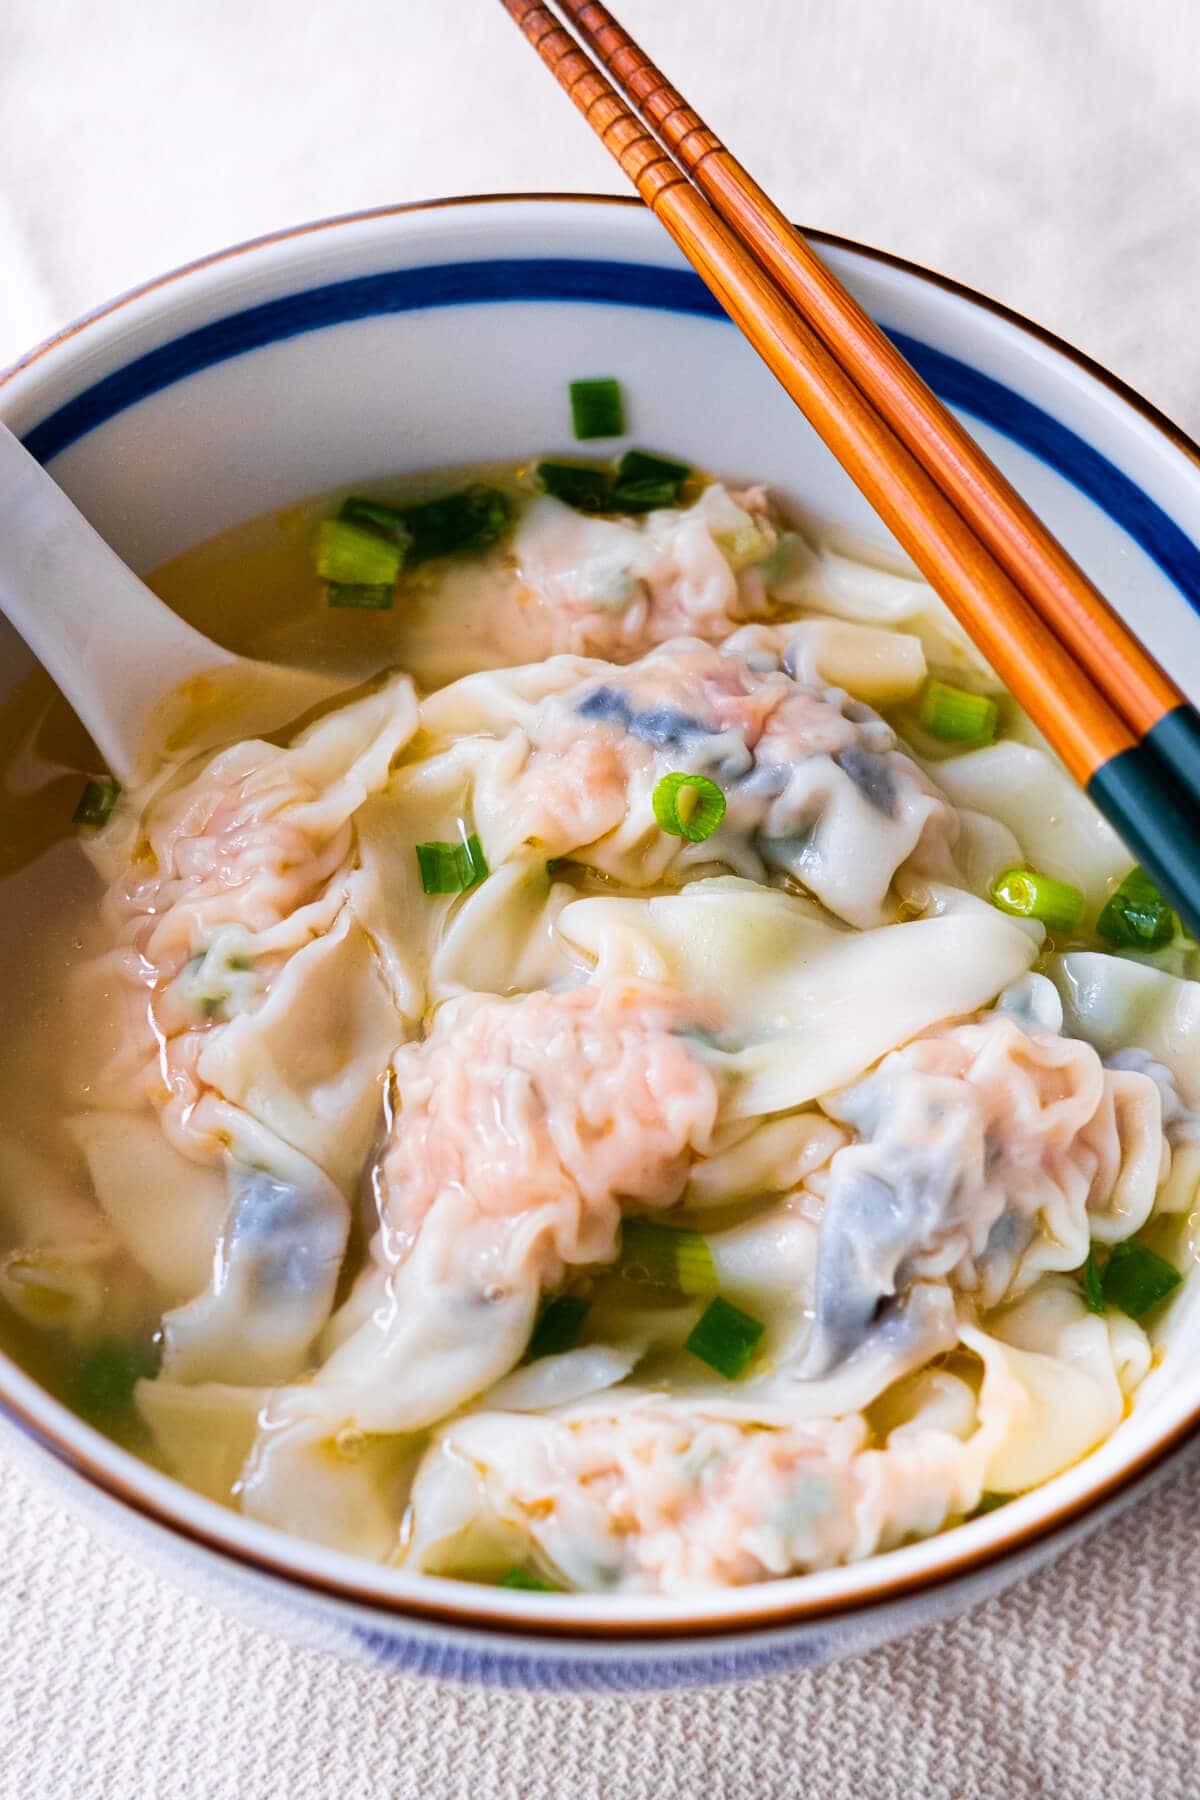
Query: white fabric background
x=1047, y=151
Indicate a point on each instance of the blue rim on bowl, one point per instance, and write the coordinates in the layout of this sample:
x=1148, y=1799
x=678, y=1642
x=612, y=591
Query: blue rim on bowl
x=678, y=290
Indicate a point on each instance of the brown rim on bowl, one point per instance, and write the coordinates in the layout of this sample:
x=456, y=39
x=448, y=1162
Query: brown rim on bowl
x=764, y=1615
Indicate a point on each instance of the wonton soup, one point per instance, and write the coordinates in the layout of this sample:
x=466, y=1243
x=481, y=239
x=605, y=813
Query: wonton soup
x=667, y=1083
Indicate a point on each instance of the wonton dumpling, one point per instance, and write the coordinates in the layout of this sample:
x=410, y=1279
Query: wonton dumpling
x=522, y=1127
x=566, y=757
x=254, y=837
x=801, y=1007
x=545, y=1112
x=815, y=784
x=229, y=894
x=614, y=587
x=658, y=1498
x=986, y=1154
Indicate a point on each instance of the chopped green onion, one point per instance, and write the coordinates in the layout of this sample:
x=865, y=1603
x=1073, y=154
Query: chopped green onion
x=558, y=1326
x=596, y=409
x=957, y=716
x=1136, y=916
x=378, y=513
x=639, y=465
x=1028, y=895
x=366, y=597
x=641, y=483
x=642, y=496
x=468, y=520
x=451, y=868
x=1135, y=1278
x=1093, y=1282
x=580, y=485
x=989, y=1503
x=725, y=1338
x=353, y=557
x=645, y=482
x=666, y=1256
x=96, y=802
x=104, y=1383
x=688, y=806
x=523, y=1578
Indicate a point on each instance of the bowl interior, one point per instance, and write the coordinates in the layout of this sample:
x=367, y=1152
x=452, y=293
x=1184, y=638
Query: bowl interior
x=410, y=339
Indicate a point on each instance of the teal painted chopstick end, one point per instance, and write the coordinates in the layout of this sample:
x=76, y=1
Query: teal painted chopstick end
x=1156, y=819
x=1175, y=741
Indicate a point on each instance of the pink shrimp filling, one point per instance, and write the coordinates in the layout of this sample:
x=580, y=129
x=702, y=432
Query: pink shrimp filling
x=547, y=1112
x=223, y=852
x=666, y=1501
x=680, y=581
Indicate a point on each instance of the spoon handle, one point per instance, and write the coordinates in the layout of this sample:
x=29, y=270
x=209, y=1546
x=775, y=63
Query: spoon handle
x=110, y=644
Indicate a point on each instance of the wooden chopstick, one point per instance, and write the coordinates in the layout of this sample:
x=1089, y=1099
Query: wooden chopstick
x=1119, y=664
x=907, y=500
x=1144, y=796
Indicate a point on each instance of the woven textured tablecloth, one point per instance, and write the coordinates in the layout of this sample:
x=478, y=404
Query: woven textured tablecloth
x=1047, y=151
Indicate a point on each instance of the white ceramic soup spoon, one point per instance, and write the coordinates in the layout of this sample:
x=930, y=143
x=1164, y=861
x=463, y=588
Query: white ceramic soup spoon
x=144, y=683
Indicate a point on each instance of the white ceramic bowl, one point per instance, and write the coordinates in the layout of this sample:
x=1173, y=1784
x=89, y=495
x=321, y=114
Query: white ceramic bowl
x=413, y=337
